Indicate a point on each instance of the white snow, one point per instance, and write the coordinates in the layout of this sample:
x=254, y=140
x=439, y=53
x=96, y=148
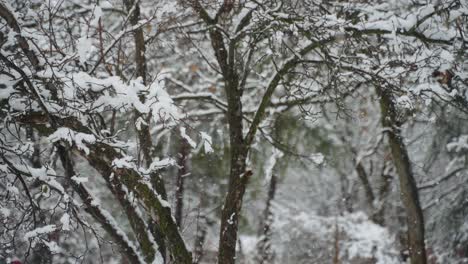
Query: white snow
x=105, y=4
x=459, y=144
x=5, y=212
x=139, y=122
x=117, y=94
x=404, y=102
x=84, y=47
x=111, y=221
x=317, y=158
x=66, y=134
x=158, y=164
x=65, y=220
x=40, y=231
x=187, y=138
x=207, y=143
x=8, y=89
x=96, y=15
x=53, y=246
x=270, y=164
x=360, y=238
x=126, y=162
x=79, y=179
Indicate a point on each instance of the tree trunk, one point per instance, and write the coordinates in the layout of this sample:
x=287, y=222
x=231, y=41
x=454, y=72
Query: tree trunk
x=362, y=175
x=232, y=206
x=181, y=174
x=238, y=176
x=265, y=254
x=408, y=188
x=144, y=136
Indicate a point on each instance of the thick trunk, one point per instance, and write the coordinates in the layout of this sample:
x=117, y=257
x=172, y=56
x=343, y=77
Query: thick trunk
x=408, y=188
x=231, y=209
x=153, y=201
x=137, y=224
x=238, y=176
x=99, y=158
x=158, y=234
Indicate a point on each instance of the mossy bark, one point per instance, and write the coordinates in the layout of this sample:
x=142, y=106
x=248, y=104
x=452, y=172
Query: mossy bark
x=408, y=188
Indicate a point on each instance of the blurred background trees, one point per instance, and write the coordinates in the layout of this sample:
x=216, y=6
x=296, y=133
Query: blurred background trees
x=235, y=131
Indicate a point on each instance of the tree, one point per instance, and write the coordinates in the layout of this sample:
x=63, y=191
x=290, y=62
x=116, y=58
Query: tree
x=103, y=103
x=64, y=108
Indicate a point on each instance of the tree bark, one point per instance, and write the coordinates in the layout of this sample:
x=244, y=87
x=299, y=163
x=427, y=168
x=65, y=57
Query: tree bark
x=238, y=176
x=265, y=254
x=408, y=188
x=155, y=204
x=100, y=158
x=238, y=179
x=181, y=174
x=239, y=145
x=144, y=136
x=362, y=174
x=94, y=209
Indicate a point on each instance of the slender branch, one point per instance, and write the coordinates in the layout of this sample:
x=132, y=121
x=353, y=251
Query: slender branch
x=9, y=17
x=273, y=84
x=100, y=157
x=438, y=181
x=93, y=208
